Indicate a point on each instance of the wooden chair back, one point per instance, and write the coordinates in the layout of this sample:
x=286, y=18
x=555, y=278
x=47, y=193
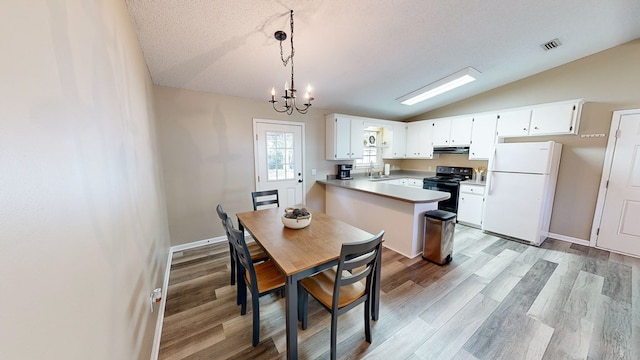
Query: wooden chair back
x=243, y=256
x=357, y=261
x=265, y=198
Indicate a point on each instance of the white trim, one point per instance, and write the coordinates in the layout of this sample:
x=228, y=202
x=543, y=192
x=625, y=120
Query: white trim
x=196, y=244
x=155, y=350
x=302, y=149
x=569, y=239
x=606, y=173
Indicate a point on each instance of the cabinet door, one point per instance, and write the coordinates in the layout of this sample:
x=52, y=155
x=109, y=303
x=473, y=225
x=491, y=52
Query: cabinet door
x=415, y=183
x=396, y=147
x=399, y=140
x=441, y=132
x=419, y=140
x=470, y=209
x=355, y=138
x=461, y=131
x=483, y=135
x=343, y=137
x=514, y=123
x=554, y=119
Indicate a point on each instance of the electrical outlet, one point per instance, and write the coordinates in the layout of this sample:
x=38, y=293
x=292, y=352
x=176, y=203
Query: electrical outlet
x=314, y=171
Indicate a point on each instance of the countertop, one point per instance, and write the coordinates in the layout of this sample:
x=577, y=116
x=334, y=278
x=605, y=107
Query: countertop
x=473, y=182
x=398, y=192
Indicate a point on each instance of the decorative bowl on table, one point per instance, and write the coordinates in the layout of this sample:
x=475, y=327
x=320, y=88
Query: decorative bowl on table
x=296, y=218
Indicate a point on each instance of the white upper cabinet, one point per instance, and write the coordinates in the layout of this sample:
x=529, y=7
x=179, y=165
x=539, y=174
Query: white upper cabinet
x=555, y=119
x=419, y=140
x=514, y=122
x=558, y=118
x=343, y=137
x=397, y=141
x=461, y=128
x=454, y=131
x=483, y=136
x=441, y=131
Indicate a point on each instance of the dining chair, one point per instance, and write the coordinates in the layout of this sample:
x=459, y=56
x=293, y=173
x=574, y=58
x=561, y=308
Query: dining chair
x=261, y=278
x=341, y=289
x=264, y=198
x=257, y=254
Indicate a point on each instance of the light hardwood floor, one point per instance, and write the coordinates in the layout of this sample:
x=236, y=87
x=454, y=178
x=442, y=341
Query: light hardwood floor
x=498, y=299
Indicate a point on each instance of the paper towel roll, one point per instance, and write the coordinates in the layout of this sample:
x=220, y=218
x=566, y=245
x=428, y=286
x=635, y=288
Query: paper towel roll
x=387, y=169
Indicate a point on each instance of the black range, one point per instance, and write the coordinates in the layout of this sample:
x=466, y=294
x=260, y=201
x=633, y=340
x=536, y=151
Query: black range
x=448, y=179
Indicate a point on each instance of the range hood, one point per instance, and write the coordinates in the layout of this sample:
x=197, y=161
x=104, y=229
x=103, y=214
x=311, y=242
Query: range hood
x=451, y=150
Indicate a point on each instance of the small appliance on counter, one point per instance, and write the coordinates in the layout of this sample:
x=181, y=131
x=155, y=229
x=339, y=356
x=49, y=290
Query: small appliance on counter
x=344, y=172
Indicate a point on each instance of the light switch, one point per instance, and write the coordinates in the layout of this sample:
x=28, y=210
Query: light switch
x=314, y=171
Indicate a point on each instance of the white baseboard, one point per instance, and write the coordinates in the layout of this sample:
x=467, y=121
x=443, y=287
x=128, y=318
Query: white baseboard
x=195, y=244
x=165, y=285
x=569, y=239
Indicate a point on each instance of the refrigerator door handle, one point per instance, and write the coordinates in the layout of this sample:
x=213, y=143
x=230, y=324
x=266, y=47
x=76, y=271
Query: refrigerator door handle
x=489, y=182
x=490, y=171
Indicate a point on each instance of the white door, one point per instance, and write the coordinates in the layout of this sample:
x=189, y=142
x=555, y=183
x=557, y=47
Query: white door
x=619, y=227
x=278, y=159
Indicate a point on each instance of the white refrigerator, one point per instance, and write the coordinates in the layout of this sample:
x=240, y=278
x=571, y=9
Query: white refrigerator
x=521, y=184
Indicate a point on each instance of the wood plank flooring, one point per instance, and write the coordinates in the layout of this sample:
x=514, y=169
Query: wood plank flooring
x=498, y=299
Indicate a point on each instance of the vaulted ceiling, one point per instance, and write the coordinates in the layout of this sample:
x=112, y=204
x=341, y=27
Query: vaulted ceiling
x=361, y=55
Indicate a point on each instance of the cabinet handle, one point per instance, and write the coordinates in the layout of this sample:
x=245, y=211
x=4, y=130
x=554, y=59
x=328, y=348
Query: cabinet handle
x=525, y=129
x=535, y=127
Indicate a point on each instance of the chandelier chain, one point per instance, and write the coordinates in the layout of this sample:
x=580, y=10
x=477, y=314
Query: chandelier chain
x=290, y=92
x=285, y=62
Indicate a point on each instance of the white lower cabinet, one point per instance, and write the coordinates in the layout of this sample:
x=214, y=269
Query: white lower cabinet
x=404, y=182
x=470, y=204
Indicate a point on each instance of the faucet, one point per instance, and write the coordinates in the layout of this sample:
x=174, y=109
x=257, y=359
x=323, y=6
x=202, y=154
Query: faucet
x=371, y=169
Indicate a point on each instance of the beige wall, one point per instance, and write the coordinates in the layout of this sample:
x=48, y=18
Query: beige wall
x=207, y=151
x=83, y=230
x=608, y=81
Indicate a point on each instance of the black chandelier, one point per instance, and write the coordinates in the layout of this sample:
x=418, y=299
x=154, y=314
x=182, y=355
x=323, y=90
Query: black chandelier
x=290, y=93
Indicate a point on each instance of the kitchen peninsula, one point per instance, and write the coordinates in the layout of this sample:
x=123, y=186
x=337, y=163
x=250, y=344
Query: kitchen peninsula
x=374, y=206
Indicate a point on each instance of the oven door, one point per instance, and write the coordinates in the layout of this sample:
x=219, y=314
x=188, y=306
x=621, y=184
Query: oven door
x=451, y=187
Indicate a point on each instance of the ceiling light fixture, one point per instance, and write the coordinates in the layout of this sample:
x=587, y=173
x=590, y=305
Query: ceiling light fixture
x=448, y=83
x=290, y=93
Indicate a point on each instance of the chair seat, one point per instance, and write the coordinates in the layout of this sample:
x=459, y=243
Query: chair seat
x=257, y=253
x=268, y=276
x=321, y=287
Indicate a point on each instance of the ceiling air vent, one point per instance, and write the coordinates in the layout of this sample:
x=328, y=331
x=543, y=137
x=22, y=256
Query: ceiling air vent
x=551, y=44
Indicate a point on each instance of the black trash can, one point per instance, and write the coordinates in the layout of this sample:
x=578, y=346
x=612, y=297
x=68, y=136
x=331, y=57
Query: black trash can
x=439, y=226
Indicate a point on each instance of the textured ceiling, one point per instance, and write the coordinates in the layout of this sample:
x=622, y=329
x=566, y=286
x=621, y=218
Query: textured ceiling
x=361, y=55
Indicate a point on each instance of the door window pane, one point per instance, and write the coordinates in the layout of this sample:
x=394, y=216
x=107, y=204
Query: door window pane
x=280, y=156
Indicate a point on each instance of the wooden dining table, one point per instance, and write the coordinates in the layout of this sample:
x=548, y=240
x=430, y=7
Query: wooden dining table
x=304, y=252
